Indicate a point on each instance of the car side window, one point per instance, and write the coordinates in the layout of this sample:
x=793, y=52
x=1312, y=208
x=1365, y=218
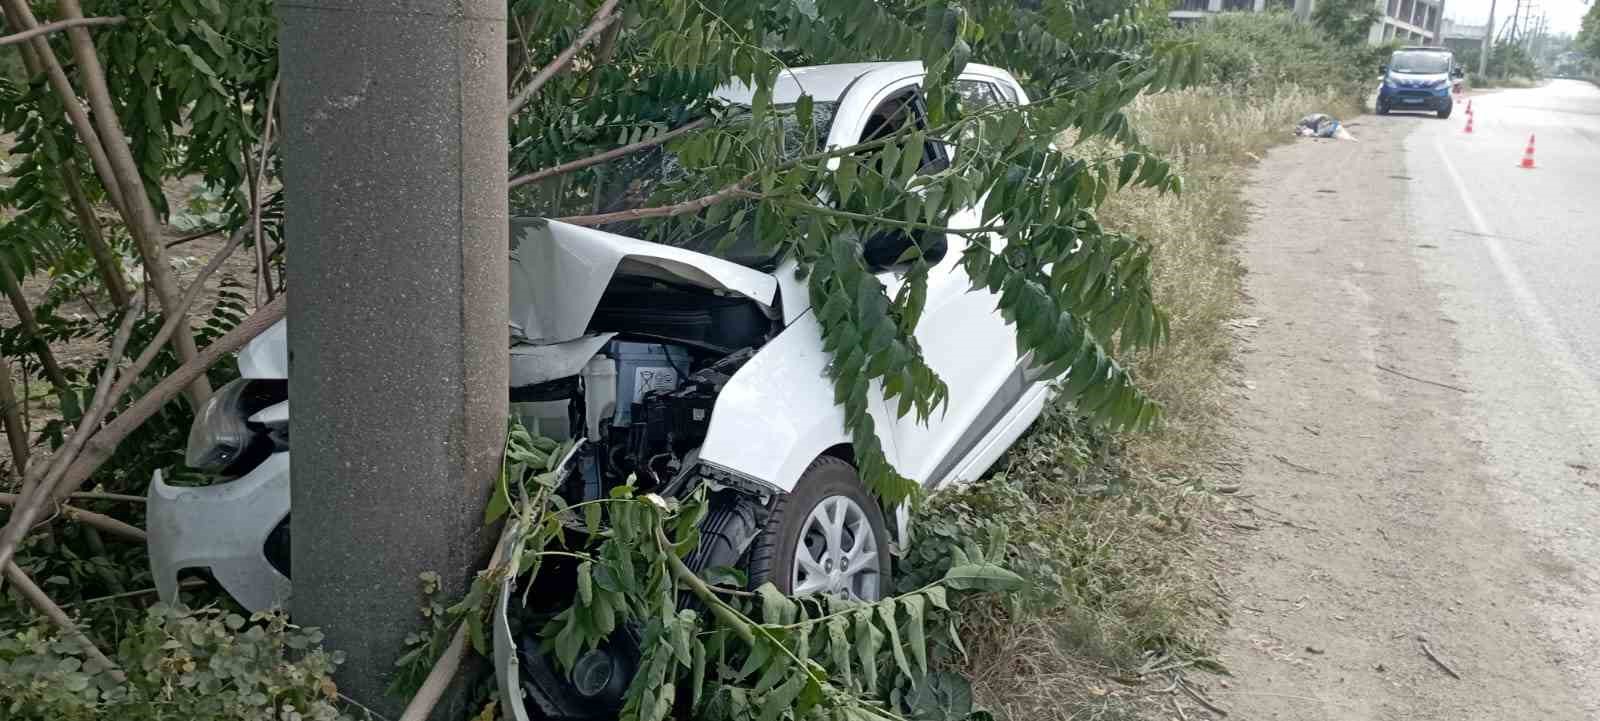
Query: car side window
x=977, y=95
x=896, y=113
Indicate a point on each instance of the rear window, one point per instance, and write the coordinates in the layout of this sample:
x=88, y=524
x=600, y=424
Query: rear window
x=1420, y=62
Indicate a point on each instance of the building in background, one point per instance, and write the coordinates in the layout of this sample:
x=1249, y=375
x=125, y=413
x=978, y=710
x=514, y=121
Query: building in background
x=1188, y=11
x=1412, y=22
x=1462, y=37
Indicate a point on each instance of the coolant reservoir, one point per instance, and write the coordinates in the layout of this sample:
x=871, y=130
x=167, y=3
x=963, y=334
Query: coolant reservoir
x=599, y=392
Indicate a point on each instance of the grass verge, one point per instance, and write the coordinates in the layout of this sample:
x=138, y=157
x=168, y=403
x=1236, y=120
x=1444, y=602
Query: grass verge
x=1111, y=530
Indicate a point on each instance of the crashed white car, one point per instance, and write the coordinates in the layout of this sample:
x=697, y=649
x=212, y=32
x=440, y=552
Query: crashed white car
x=675, y=367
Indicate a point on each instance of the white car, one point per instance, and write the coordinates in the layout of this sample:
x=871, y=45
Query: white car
x=675, y=367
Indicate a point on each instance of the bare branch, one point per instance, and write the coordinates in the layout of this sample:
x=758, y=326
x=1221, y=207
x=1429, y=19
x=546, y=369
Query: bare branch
x=103, y=444
x=90, y=518
x=98, y=496
x=439, y=677
x=57, y=26
x=82, y=461
x=263, y=270
x=614, y=153
x=137, y=209
x=44, y=476
x=11, y=414
x=39, y=600
x=602, y=18
x=30, y=328
x=661, y=211
x=106, y=262
x=171, y=325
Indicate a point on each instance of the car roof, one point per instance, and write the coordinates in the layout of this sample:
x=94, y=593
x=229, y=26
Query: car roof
x=828, y=83
x=1428, y=48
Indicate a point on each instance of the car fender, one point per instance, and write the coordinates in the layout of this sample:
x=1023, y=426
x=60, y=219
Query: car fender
x=777, y=414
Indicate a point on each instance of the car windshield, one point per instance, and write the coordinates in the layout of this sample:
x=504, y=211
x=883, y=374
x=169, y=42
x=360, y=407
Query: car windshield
x=656, y=177
x=1421, y=62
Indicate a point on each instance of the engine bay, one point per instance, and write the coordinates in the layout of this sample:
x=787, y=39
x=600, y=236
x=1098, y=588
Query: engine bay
x=643, y=402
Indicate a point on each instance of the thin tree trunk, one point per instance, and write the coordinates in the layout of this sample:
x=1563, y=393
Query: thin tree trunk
x=105, y=261
x=11, y=413
x=30, y=328
x=138, y=211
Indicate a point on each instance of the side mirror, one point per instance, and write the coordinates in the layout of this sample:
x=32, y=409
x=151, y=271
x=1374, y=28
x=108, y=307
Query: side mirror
x=1383, y=69
x=883, y=249
x=1458, y=73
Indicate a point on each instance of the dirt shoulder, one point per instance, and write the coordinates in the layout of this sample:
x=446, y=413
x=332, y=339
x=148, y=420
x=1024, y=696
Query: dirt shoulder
x=1367, y=525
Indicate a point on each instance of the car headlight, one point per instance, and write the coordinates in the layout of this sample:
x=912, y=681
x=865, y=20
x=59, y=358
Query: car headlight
x=221, y=435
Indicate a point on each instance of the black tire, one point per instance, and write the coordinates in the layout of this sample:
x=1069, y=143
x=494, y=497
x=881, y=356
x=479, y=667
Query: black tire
x=772, y=555
x=1445, y=114
x=1382, y=108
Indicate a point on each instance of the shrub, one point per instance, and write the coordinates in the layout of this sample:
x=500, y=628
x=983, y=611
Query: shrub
x=180, y=664
x=1258, y=53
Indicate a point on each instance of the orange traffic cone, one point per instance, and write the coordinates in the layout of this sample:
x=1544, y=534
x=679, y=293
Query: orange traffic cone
x=1527, y=155
x=1468, y=129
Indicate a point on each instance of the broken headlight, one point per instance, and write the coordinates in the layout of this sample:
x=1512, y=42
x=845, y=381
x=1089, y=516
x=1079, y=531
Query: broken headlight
x=222, y=436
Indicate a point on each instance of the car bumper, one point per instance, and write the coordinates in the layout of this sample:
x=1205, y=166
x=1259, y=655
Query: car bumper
x=220, y=528
x=1397, y=99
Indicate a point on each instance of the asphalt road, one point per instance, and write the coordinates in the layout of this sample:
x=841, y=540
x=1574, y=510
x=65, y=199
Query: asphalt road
x=1419, y=421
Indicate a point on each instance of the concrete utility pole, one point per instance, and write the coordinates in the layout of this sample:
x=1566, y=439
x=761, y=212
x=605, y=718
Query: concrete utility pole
x=395, y=174
x=1488, y=44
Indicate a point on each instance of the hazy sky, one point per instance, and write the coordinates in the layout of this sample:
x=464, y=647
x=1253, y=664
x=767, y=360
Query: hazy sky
x=1565, y=15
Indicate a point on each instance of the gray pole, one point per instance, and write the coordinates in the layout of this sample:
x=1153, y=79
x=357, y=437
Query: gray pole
x=395, y=175
x=1488, y=44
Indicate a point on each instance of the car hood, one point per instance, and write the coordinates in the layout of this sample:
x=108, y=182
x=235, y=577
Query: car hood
x=558, y=273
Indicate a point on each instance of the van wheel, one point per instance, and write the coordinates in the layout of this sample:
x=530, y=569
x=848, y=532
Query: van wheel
x=827, y=536
x=1444, y=114
x=1383, y=109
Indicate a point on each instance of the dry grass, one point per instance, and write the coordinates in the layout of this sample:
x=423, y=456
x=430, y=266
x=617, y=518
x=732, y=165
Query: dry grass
x=1126, y=520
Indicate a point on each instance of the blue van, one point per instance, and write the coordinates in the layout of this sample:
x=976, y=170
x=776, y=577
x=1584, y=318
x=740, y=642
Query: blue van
x=1418, y=78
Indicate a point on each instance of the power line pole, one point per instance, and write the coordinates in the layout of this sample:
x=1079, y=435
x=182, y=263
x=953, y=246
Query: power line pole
x=1488, y=43
x=395, y=181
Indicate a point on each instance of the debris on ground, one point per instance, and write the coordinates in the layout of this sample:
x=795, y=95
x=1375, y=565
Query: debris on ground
x=1321, y=125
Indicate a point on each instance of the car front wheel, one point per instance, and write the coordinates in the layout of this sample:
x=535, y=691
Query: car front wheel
x=827, y=536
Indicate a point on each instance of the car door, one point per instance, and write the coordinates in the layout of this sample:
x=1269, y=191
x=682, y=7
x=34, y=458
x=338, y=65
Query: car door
x=963, y=338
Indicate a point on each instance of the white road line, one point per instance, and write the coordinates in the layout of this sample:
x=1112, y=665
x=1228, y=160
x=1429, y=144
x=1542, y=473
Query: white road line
x=1546, y=335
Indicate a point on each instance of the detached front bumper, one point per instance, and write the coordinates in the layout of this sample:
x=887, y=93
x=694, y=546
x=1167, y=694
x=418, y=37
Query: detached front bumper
x=221, y=528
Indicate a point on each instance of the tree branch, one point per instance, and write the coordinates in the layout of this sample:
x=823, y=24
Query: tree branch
x=11, y=415
x=90, y=518
x=602, y=18
x=30, y=328
x=105, y=261
x=612, y=154
x=58, y=26
x=439, y=677
x=70, y=469
x=99, y=448
x=137, y=211
x=40, y=600
x=263, y=270
x=730, y=192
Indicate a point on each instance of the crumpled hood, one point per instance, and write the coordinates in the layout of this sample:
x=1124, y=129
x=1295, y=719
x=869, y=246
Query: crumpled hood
x=559, y=271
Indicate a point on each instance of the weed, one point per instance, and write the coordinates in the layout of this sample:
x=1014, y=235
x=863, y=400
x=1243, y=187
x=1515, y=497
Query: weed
x=1108, y=529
